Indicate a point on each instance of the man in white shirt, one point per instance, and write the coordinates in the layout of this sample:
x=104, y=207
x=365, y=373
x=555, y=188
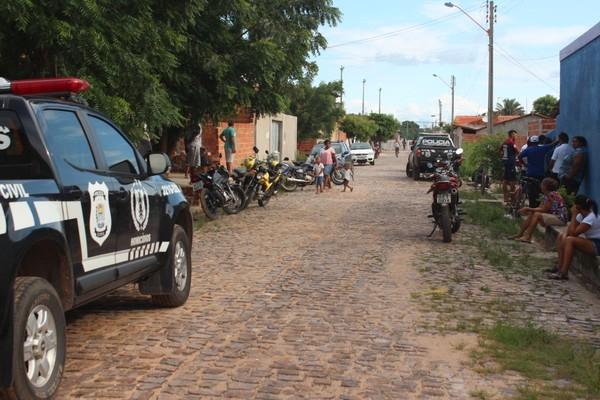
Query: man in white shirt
x=561, y=151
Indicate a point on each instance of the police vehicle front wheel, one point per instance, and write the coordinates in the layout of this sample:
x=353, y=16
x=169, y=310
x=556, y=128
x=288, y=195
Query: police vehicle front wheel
x=180, y=265
x=39, y=339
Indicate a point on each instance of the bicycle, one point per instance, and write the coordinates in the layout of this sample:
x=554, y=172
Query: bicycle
x=520, y=196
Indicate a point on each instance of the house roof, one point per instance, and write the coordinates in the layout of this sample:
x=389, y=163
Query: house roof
x=466, y=120
x=476, y=122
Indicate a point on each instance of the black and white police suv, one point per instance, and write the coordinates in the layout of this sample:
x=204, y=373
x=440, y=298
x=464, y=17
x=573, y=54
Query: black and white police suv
x=81, y=214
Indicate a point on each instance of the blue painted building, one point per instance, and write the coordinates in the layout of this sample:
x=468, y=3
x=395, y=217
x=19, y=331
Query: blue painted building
x=580, y=100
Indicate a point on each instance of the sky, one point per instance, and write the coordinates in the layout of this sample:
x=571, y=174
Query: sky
x=420, y=38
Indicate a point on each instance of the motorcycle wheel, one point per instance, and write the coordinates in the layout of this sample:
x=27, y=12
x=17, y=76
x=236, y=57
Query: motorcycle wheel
x=288, y=185
x=445, y=224
x=235, y=206
x=263, y=201
x=209, y=206
x=337, y=177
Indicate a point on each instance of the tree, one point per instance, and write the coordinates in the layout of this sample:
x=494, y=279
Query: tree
x=167, y=63
x=360, y=127
x=545, y=105
x=509, y=107
x=409, y=129
x=387, y=126
x=315, y=107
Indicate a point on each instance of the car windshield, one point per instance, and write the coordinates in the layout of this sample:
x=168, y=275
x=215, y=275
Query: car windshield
x=361, y=146
x=436, y=141
x=337, y=147
x=316, y=149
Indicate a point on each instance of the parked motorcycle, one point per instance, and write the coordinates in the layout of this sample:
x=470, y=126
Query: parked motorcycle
x=217, y=191
x=296, y=175
x=259, y=180
x=445, y=209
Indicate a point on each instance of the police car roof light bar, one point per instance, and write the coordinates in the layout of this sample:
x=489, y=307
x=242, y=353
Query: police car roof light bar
x=51, y=85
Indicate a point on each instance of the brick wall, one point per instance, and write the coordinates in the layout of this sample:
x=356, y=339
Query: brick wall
x=541, y=126
x=244, y=130
x=306, y=145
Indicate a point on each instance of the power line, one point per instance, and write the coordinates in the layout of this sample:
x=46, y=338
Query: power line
x=514, y=61
x=398, y=31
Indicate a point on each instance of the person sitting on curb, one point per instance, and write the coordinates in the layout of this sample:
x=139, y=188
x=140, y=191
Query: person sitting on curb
x=584, y=221
x=551, y=212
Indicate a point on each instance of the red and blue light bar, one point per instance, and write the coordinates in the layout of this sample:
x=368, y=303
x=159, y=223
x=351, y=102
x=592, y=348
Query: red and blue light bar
x=44, y=86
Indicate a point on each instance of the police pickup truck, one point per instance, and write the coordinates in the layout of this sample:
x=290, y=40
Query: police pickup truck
x=81, y=214
x=427, y=149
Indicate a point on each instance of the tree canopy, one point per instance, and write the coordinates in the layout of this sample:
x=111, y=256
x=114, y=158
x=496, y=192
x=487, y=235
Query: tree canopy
x=360, y=127
x=165, y=63
x=315, y=107
x=409, y=129
x=387, y=126
x=545, y=105
x=510, y=107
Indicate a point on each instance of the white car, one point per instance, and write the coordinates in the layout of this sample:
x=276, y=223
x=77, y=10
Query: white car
x=362, y=153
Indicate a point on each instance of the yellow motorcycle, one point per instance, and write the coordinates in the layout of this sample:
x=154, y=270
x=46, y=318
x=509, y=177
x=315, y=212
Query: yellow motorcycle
x=259, y=179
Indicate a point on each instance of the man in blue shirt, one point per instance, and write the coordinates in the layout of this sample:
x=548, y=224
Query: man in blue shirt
x=535, y=154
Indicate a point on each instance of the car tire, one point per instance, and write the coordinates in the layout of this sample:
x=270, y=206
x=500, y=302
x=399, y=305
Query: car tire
x=38, y=317
x=416, y=174
x=372, y=163
x=180, y=265
x=408, y=171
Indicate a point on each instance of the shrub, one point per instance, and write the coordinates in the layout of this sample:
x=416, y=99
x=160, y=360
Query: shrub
x=484, y=152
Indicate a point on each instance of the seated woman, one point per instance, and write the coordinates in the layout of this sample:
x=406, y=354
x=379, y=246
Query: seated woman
x=584, y=221
x=552, y=211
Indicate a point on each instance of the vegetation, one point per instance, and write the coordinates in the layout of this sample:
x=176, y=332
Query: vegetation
x=167, y=64
x=485, y=152
x=510, y=107
x=387, y=126
x=409, y=129
x=544, y=357
x=546, y=105
x=360, y=127
x=315, y=107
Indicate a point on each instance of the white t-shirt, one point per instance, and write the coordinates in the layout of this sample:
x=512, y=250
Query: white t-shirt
x=594, y=222
x=319, y=169
x=559, y=155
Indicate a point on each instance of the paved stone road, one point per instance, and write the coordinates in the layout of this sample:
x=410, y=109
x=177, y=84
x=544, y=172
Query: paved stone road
x=312, y=297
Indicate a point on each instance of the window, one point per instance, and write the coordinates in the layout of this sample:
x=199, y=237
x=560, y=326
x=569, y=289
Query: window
x=66, y=140
x=18, y=160
x=118, y=153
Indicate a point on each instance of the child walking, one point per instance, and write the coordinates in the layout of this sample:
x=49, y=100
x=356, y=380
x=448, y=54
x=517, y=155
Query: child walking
x=319, y=174
x=347, y=177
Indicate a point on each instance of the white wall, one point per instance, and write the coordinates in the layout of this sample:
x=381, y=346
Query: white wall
x=289, y=134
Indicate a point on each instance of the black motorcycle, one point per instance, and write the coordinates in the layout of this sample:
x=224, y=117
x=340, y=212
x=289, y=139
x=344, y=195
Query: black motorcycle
x=216, y=191
x=296, y=175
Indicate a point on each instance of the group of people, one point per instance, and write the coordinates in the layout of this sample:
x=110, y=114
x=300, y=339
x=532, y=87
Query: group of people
x=198, y=159
x=549, y=165
x=324, y=165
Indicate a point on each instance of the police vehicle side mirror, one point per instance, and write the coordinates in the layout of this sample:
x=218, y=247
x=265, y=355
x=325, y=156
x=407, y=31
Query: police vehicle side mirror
x=158, y=163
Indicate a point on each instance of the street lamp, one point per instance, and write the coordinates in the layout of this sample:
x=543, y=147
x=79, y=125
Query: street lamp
x=451, y=85
x=434, y=116
x=363, y=98
x=490, y=32
x=342, y=84
x=379, y=100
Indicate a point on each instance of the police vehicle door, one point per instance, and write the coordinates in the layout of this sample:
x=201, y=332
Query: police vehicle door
x=90, y=205
x=140, y=210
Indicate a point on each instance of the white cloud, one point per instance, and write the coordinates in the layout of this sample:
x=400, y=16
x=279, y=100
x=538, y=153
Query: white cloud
x=531, y=36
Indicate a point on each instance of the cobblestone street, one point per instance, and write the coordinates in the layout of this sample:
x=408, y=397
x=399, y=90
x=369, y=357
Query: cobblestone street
x=311, y=297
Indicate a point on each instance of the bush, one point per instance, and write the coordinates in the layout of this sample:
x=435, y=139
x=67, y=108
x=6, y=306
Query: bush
x=484, y=152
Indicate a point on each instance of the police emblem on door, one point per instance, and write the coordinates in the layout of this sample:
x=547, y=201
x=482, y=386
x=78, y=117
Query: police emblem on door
x=100, y=219
x=140, y=205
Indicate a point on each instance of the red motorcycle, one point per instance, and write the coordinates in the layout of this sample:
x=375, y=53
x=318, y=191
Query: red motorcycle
x=445, y=209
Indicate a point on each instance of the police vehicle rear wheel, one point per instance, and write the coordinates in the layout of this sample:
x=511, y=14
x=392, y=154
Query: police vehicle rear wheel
x=179, y=263
x=39, y=339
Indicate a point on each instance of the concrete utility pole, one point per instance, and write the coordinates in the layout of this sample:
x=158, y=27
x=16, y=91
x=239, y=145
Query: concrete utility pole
x=451, y=85
x=491, y=19
x=363, y=98
x=440, y=103
x=379, y=100
x=342, y=83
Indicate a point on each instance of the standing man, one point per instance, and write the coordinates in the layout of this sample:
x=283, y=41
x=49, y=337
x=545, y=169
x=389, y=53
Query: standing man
x=228, y=137
x=560, y=153
x=403, y=143
x=327, y=157
x=536, y=155
x=397, y=146
x=508, y=153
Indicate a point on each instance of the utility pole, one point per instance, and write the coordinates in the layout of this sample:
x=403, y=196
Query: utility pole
x=440, y=121
x=491, y=19
x=363, y=97
x=491, y=16
x=379, y=100
x=452, y=85
x=342, y=83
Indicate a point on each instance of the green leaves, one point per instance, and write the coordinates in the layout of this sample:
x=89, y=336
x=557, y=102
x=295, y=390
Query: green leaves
x=165, y=63
x=360, y=127
x=546, y=105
